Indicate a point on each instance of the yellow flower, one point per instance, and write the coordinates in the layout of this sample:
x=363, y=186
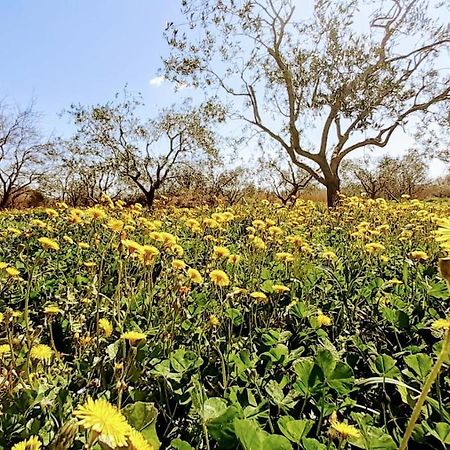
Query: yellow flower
x=68, y=239
x=89, y=264
x=33, y=443
x=41, y=352
x=147, y=254
x=52, y=309
x=374, y=247
x=133, y=337
x=343, y=430
x=136, y=441
x=38, y=223
x=105, y=326
x=329, y=255
x=221, y=252
x=3, y=265
x=279, y=288
x=220, y=278
x=441, y=324
x=96, y=213
x=115, y=225
x=443, y=233
x=285, y=256
x=105, y=420
x=194, y=276
x=132, y=246
x=5, y=349
x=83, y=245
x=178, y=264
x=12, y=272
x=418, y=256
x=234, y=259
x=259, y=296
x=48, y=244
x=214, y=321
x=51, y=212
x=322, y=319
x=259, y=243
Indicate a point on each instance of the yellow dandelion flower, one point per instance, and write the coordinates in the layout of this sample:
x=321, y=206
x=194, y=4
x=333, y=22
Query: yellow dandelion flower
x=221, y=252
x=147, y=254
x=83, y=245
x=33, y=443
x=96, y=213
x=48, y=244
x=374, y=247
x=178, y=264
x=195, y=276
x=280, y=288
x=3, y=265
x=105, y=420
x=329, y=255
x=89, y=264
x=136, y=441
x=214, y=321
x=220, y=278
x=52, y=310
x=132, y=246
x=68, y=239
x=115, y=225
x=41, y=352
x=234, y=259
x=12, y=272
x=418, y=256
x=322, y=319
x=5, y=349
x=284, y=256
x=133, y=337
x=441, y=324
x=259, y=296
x=344, y=430
x=105, y=326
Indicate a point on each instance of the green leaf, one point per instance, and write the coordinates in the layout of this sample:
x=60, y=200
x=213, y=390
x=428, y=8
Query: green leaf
x=213, y=408
x=442, y=432
x=178, y=444
x=252, y=437
x=221, y=428
x=293, y=429
x=276, y=394
x=341, y=379
x=142, y=416
x=312, y=444
x=326, y=361
x=439, y=290
x=385, y=366
x=420, y=363
x=308, y=376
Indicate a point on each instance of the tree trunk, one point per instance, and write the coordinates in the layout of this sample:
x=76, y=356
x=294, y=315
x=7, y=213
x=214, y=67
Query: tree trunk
x=333, y=186
x=150, y=197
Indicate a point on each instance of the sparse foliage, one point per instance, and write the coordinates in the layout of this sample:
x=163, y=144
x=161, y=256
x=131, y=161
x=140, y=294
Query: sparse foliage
x=317, y=75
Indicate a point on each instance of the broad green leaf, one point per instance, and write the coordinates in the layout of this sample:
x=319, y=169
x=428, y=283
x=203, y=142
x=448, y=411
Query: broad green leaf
x=293, y=429
x=420, y=363
x=142, y=416
x=312, y=444
x=178, y=444
x=385, y=366
x=221, y=428
x=213, y=408
x=308, y=376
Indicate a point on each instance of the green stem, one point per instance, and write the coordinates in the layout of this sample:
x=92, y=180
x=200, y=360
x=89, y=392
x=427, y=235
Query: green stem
x=426, y=389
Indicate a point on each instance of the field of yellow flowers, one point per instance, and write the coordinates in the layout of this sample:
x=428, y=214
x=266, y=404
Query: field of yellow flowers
x=256, y=327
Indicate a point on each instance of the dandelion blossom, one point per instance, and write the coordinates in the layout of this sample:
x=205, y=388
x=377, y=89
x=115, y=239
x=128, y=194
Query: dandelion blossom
x=137, y=441
x=30, y=444
x=220, y=278
x=133, y=336
x=104, y=419
x=48, y=244
x=41, y=352
x=194, y=276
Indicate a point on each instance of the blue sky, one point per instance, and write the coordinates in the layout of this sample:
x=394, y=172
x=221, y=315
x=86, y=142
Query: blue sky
x=60, y=52
x=82, y=51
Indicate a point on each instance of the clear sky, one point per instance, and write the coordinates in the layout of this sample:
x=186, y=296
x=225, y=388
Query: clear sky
x=60, y=52
x=82, y=51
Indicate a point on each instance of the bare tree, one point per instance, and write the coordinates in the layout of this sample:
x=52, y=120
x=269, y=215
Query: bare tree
x=391, y=177
x=22, y=152
x=353, y=88
x=145, y=154
x=285, y=179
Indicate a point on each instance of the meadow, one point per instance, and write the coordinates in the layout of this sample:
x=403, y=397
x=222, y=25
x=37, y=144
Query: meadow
x=255, y=327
